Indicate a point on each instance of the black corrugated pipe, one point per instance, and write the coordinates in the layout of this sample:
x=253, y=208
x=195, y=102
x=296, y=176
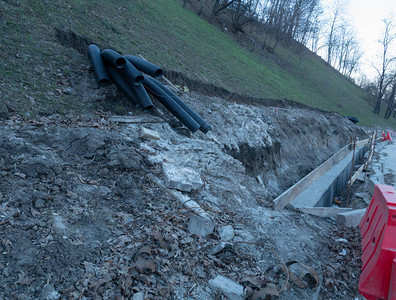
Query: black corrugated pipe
x=136, y=94
x=114, y=58
x=205, y=127
x=170, y=104
x=145, y=66
x=98, y=66
x=132, y=74
x=142, y=97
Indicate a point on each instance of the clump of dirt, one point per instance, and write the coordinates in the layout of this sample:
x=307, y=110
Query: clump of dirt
x=257, y=160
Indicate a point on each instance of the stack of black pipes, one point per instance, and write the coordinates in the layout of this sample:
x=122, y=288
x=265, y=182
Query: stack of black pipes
x=127, y=74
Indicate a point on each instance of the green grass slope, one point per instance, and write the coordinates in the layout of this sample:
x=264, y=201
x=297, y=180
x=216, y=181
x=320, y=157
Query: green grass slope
x=34, y=64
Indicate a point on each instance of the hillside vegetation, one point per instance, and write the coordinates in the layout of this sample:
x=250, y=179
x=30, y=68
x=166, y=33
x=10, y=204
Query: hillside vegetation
x=36, y=67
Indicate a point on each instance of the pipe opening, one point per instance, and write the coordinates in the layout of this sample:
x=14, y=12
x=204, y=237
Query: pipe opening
x=104, y=82
x=120, y=63
x=149, y=107
x=139, y=79
x=159, y=73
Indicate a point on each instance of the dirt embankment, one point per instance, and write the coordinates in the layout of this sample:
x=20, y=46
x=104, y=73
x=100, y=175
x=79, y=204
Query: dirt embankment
x=81, y=217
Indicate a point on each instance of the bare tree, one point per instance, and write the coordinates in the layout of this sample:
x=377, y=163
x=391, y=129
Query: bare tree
x=219, y=6
x=201, y=8
x=346, y=50
x=391, y=103
x=384, y=78
x=243, y=12
x=337, y=12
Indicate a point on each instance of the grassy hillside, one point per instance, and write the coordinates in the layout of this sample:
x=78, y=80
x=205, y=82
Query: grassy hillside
x=36, y=65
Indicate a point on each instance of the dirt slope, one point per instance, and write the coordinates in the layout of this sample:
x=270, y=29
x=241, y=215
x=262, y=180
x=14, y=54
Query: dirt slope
x=81, y=215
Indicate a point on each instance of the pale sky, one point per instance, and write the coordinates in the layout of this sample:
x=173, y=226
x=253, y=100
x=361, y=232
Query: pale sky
x=366, y=16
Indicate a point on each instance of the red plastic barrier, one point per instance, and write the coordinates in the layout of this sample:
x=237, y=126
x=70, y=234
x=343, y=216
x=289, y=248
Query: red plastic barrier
x=392, y=287
x=378, y=230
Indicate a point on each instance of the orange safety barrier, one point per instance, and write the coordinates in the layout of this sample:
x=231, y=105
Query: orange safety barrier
x=378, y=230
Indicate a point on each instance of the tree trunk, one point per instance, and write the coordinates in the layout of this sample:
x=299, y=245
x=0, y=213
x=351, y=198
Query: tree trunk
x=391, y=104
x=202, y=7
x=377, y=107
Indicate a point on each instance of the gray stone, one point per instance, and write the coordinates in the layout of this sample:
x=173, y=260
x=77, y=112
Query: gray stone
x=231, y=289
x=220, y=247
x=324, y=212
x=49, y=293
x=350, y=218
x=149, y=134
x=226, y=233
x=182, y=179
x=59, y=226
x=138, y=296
x=39, y=203
x=200, y=226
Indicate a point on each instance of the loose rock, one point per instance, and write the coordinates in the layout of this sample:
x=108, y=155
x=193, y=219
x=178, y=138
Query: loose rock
x=226, y=233
x=200, y=226
x=230, y=288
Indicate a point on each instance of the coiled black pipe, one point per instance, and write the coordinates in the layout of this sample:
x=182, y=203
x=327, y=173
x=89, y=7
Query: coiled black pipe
x=204, y=127
x=132, y=74
x=114, y=58
x=145, y=66
x=98, y=66
x=170, y=104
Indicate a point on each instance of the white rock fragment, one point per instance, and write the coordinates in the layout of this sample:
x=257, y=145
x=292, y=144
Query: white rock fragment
x=182, y=179
x=49, y=293
x=138, y=296
x=149, y=134
x=59, y=225
x=231, y=289
x=200, y=226
x=343, y=252
x=226, y=233
x=342, y=240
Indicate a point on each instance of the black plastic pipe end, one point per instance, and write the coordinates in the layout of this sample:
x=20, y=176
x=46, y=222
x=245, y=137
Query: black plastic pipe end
x=145, y=66
x=204, y=127
x=170, y=104
x=142, y=97
x=132, y=74
x=98, y=66
x=114, y=58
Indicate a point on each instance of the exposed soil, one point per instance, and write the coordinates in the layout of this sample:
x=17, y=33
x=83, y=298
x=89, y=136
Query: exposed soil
x=82, y=215
x=82, y=218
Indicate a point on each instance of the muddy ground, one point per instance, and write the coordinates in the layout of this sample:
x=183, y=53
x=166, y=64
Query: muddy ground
x=84, y=213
